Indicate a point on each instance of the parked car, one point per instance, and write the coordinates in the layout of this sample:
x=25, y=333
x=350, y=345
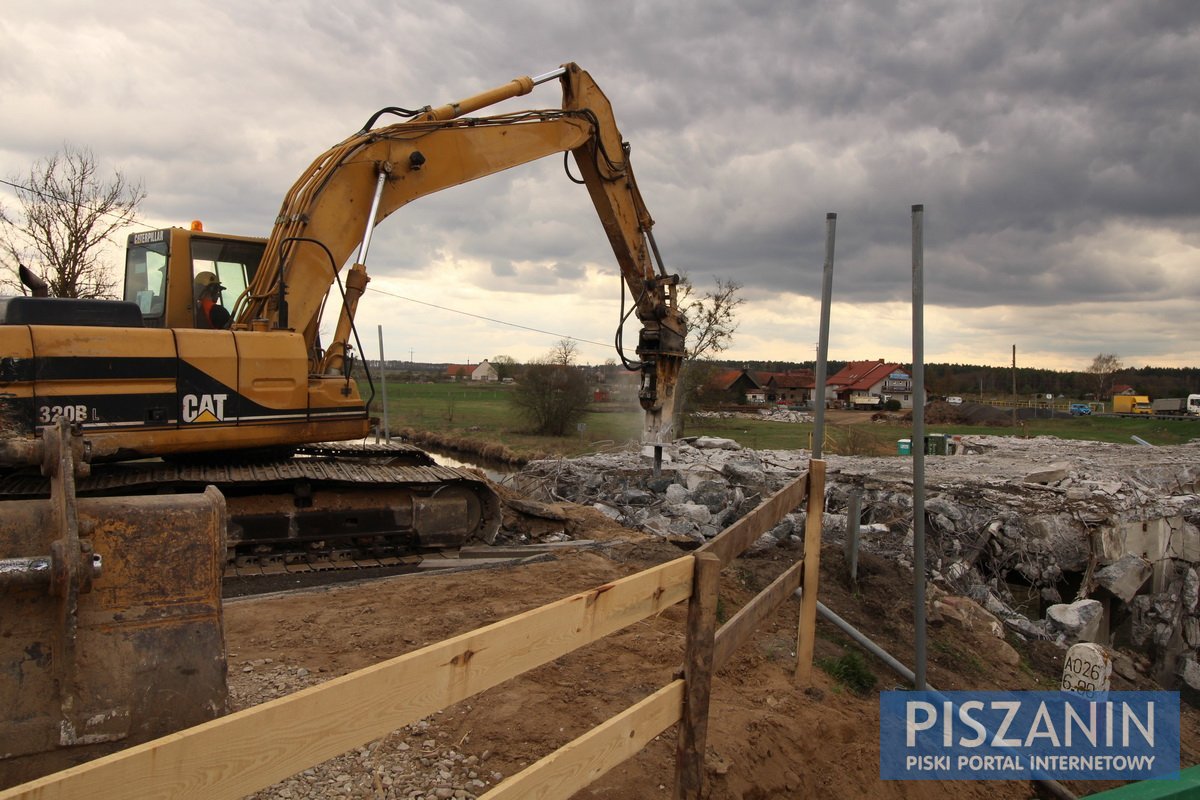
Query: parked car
x=1080, y=409
x=954, y=401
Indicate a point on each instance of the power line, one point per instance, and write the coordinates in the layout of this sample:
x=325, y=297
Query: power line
x=61, y=199
x=489, y=319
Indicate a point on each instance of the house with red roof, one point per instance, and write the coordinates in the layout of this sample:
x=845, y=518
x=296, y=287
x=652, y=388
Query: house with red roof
x=752, y=386
x=742, y=385
x=870, y=382
x=791, y=388
x=482, y=371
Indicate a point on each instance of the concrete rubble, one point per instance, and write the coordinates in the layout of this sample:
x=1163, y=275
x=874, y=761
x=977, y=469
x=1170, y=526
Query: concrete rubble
x=1061, y=540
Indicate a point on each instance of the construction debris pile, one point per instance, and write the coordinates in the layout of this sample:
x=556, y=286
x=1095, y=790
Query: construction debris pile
x=1062, y=540
x=772, y=414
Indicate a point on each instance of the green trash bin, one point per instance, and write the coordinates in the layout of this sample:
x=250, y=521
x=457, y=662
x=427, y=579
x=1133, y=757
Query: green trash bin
x=904, y=447
x=935, y=444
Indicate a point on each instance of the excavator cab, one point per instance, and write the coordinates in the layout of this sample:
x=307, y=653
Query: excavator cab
x=163, y=267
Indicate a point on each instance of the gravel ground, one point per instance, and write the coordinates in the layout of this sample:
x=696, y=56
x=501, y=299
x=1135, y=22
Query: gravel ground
x=413, y=763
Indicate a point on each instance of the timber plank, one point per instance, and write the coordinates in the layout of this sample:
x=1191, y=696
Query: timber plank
x=733, y=541
x=582, y=761
x=806, y=630
x=243, y=752
x=697, y=671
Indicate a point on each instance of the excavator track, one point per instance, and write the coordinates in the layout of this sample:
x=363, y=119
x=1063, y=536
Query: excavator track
x=332, y=506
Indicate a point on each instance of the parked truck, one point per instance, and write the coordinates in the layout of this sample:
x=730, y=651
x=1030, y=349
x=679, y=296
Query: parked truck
x=862, y=400
x=1177, y=406
x=1132, y=404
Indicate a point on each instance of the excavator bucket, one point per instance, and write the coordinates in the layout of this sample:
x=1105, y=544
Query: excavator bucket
x=110, y=621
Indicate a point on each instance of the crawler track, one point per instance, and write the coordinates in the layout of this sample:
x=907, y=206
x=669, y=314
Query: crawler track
x=331, y=507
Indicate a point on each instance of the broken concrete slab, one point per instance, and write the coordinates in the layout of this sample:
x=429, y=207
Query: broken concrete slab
x=1125, y=576
x=1078, y=621
x=715, y=443
x=1049, y=475
x=990, y=531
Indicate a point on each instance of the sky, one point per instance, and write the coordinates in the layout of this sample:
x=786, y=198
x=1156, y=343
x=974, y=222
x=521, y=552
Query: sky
x=1055, y=148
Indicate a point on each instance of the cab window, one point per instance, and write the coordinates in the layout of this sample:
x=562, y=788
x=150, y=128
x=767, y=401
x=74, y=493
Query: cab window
x=233, y=264
x=146, y=279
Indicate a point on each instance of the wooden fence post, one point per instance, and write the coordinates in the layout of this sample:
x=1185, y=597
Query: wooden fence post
x=697, y=671
x=807, y=629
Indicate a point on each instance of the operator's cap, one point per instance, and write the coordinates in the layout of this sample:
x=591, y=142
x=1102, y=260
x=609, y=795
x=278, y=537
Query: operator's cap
x=207, y=280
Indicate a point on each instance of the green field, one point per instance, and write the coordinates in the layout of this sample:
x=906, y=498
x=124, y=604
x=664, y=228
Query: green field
x=482, y=414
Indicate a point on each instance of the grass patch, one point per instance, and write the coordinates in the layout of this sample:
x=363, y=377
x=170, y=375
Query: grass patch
x=484, y=413
x=849, y=670
x=957, y=658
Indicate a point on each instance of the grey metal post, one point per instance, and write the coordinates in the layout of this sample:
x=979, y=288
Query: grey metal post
x=823, y=338
x=918, y=440
x=853, y=510
x=387, y=431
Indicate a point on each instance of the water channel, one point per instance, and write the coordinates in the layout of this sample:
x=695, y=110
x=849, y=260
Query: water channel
x=497, y=471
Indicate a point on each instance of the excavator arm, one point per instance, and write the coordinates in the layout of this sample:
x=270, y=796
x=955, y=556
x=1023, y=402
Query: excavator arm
x=331, y=210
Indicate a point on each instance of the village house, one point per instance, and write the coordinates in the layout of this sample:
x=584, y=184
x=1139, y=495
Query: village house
x=791, y=388
x=757, y=388
x=873, y=382
x=472, y=372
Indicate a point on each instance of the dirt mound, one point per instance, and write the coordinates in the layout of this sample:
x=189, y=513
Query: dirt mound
x=943, y=413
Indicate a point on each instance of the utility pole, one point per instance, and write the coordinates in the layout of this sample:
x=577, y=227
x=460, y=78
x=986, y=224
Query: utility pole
x=1014, y=391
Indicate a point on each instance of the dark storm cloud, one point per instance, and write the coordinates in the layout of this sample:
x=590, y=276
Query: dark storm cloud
x=1019, y=126
x=1054, y=144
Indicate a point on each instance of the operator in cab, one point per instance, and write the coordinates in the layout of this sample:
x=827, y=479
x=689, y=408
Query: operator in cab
x=209, y=311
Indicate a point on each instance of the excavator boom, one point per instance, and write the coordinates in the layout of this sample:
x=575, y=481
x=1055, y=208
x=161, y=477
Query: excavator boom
x=330, y=211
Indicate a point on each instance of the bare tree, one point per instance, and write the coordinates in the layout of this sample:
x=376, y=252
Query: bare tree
x=564, y=353
x=66, y=213
x=552, y=397
x=711, y=319
x=506, y=366
x=1104, y=369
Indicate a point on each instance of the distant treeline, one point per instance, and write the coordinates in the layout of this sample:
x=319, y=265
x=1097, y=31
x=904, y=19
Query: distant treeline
x=965, y=380
x=970, y=380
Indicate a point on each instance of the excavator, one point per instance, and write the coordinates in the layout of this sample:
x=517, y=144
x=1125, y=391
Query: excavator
x=199, y=427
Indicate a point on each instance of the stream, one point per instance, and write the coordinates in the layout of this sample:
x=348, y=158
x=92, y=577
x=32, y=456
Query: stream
x=497, y=471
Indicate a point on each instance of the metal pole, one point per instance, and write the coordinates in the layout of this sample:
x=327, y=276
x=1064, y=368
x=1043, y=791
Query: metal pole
x=853, y=511
x=1014, y=393
x=918, y=442
x=823, y=338
x=387, y=431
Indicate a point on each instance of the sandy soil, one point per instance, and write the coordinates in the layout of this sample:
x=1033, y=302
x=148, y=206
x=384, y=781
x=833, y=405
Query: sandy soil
x=768, y=737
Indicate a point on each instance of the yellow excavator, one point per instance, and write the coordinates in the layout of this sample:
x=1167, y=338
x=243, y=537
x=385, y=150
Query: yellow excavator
x=116, y=415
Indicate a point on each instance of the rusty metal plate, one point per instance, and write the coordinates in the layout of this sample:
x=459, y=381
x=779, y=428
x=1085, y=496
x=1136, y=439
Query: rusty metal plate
x=149, y=652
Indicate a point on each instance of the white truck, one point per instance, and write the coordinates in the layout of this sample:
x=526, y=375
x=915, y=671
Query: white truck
x=1177, y=406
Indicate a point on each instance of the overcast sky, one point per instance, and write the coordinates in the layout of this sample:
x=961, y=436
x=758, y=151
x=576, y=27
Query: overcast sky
x=1055, y=146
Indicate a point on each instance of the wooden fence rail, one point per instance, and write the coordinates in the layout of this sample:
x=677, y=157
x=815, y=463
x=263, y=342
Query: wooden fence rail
x=254, y=748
